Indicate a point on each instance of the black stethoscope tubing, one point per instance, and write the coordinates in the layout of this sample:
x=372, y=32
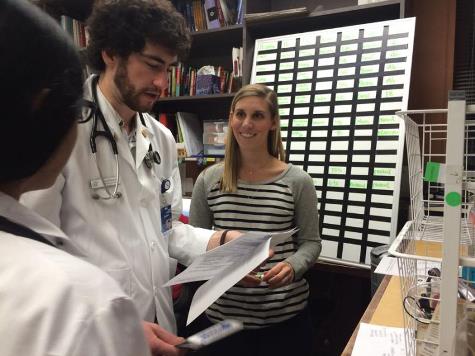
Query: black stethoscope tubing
x=106, y=132
x=97, y=115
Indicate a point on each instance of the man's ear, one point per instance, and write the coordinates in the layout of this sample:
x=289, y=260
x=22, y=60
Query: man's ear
x=39, y=99
x=108, y=58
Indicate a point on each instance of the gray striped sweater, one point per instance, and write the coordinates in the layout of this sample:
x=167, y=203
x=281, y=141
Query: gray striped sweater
x=286, y=201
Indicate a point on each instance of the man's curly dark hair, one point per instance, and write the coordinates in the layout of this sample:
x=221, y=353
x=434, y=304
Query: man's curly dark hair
x=122, y=27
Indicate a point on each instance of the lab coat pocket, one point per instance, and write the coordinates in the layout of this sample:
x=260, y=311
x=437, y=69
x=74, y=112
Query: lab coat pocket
x=123, y=277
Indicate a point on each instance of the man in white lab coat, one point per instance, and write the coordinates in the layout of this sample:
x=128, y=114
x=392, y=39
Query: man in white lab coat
x=124, y=216
x=51, y=303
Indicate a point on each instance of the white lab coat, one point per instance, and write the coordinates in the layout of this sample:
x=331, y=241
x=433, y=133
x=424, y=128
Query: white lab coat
x=52, y=303
x=123, y=236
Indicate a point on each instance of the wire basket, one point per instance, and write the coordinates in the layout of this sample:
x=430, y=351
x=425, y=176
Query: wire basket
x=419, y=245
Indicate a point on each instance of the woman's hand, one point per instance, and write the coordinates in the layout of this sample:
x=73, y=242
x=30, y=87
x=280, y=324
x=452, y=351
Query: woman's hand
x=250, y=280
x=280, y=275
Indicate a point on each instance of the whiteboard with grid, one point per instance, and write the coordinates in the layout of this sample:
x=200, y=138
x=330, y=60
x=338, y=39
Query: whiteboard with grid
x=338, y=92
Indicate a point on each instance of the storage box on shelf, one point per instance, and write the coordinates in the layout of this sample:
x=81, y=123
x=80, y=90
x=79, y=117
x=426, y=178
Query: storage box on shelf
x=436, y=300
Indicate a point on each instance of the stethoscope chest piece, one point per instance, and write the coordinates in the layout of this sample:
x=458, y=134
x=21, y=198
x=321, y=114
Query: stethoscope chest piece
x=152, y=157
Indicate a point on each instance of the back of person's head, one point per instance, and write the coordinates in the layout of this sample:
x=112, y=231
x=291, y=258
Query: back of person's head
x=40, y=82
x=122, y=27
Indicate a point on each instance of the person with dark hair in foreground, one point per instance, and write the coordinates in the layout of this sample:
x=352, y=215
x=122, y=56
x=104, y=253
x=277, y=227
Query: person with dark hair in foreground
x=51, y=303
x=119, y=196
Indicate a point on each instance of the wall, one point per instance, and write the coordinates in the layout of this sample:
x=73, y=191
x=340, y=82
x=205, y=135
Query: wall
x=432, y=68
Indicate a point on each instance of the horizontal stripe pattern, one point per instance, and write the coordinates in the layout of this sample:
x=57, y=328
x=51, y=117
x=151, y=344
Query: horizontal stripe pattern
x=265, y=207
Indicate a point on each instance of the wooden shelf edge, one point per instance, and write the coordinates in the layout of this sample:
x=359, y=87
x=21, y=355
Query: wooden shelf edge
x=213, y=31
x=320, y=13
x=170, y=99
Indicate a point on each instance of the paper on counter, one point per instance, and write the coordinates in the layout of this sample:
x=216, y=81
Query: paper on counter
x=376, y=340
x=226, y=265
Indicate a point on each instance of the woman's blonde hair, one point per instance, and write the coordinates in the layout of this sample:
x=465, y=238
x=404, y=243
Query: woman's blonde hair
x=232, y=157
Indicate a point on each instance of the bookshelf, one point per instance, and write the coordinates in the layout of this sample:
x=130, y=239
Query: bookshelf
x=213, y=47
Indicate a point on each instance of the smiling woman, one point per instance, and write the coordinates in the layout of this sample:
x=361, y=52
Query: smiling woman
x=255, y=190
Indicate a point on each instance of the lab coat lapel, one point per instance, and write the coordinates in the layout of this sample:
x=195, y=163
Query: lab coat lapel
x=142, y=143
x=146, y=174
x=122, y=144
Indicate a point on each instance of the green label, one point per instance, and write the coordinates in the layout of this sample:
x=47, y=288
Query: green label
x=268, y=45
x=284, y=88
x=287, y=55
x=304, y=87
x=372, y=44
x=284, y=111
x=337, y=170
x=383, y=172
x=322, y=98
x=288, y=43
x=304, y=75
x=307, y=52
x=300, y=122
x=364, y=120
x=264, y=78
x=359, y=184
x=326, y=50
x=383, y=185
x=305, y=64
x=387, y=119
x=286, y=65
x=335, y=183
x=299, y=133
x=347, y=48
x=432, y=171
x=453, y=199
x=285, y=77
x=302, y=99
x=388, y=132
x=320, y=122
x=284, y=100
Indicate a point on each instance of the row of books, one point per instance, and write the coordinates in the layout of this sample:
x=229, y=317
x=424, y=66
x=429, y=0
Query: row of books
x=199, y=138
x=76, y=29
x=184, y=81
x=203, y=15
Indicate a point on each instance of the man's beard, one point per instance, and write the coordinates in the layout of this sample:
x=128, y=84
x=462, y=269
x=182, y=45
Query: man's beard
x=130, y=96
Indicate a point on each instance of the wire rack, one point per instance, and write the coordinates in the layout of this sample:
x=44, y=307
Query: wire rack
x=433, y=299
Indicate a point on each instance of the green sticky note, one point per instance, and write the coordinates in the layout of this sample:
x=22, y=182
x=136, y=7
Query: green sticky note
x=432, y=172
x=453, y=199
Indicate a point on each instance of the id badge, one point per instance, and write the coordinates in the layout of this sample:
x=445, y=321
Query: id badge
x=166, y=216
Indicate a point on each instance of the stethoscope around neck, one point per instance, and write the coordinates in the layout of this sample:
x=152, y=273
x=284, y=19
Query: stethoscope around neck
x=95, y=113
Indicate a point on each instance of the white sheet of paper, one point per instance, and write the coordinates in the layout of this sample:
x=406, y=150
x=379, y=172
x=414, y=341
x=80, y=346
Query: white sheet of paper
x=226, y=265
x=207, y=293
x=211, y=263
x=376, y=340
